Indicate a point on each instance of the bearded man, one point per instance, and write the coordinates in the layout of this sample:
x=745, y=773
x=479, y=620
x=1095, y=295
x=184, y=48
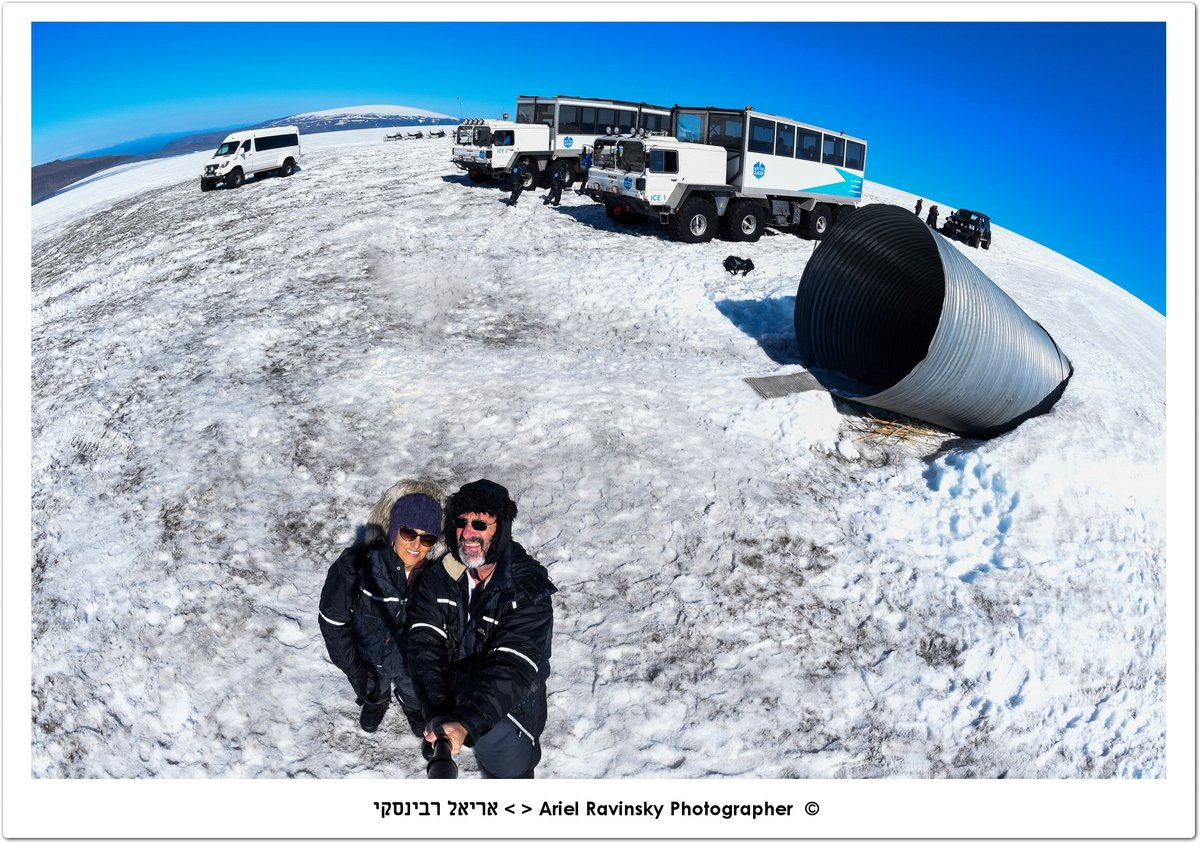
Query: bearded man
x=480, y=627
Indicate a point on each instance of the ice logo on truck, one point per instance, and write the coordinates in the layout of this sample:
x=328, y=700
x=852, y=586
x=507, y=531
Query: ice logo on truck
x=483, y=153
x=760, y=170
x=567, y=142
x=628, y=183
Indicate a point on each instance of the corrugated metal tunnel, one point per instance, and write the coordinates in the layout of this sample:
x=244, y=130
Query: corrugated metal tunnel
x=891, y=315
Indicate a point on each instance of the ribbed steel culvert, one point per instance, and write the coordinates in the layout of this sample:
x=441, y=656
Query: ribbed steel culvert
x=891, y=315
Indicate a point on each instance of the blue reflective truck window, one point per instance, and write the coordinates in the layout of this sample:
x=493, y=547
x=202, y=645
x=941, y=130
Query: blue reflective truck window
x=809, y=146
x=762, y=136
x=856, y=154
x=785, y=140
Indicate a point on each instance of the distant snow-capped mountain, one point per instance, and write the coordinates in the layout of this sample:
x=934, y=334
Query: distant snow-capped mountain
x=362, y=117
x=382, y=111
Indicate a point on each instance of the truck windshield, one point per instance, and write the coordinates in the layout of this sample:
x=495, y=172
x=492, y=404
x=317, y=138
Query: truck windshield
x=227, y=148
x=482, y=136
x=625, y=155
x=463, y=135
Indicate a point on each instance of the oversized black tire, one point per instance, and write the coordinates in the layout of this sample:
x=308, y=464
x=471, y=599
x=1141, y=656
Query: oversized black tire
x=289, y=167
x=694, y=222
x=817, y=222
x=532, y=174
x=743, y=221
x=987, y=241
x=563, y=167
x=975, y=240
x=235, y=178
x=206, y=186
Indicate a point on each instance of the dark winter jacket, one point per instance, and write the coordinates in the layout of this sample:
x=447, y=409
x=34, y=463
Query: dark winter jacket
x=362, y=618
x=481, y=663
x=363, y=605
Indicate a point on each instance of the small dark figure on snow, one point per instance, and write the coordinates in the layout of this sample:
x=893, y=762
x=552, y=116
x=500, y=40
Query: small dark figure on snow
x=362, y=612
x=918, y=210
x=733, y=265
x=516, y=178
x=585, y=164
x=931, y=220
x=554, y=196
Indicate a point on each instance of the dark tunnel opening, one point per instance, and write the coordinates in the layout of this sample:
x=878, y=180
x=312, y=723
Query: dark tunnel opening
x=870, y=299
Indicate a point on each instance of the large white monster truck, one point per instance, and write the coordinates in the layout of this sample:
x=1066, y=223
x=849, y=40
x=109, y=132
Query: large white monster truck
x=549, y=133
x=735, y=170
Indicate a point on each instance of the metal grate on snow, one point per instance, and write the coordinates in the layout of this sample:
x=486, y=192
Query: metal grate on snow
x=777, y=386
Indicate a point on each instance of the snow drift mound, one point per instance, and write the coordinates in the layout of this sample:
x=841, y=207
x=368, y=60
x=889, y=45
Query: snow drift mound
x=918, y=329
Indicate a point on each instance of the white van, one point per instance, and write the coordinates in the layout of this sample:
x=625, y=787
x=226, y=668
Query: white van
x=257, y=152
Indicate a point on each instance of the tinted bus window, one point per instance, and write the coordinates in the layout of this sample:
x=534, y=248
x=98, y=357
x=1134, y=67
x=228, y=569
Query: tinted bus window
x=785, y=140
x=625, y=121
x=725, y=130
x=664, y=161
x=762, y=136
x=856, y=154
x=606, y=118
x=690, y=128
x=834, y=151
x=655, y=122
x=545, y=113
x=525, y=112
x=568, y=118
x=809, y=146
x=587, y=121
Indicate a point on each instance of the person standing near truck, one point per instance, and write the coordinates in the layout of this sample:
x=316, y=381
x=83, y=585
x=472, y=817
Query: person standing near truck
x=931, y=220
x=517, y=178
x=554, y=195
x=585, y=164
x=918, y=209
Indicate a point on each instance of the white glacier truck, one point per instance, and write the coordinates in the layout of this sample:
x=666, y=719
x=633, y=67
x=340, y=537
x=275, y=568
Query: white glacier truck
x=549, y=133
x=253, y=152
x=738, y=170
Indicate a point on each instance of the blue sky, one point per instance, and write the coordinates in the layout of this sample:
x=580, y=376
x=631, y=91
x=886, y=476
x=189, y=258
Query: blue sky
x=1054, y=129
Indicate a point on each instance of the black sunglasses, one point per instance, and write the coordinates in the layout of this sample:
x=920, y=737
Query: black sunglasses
x=408, y=535
x=476, y=524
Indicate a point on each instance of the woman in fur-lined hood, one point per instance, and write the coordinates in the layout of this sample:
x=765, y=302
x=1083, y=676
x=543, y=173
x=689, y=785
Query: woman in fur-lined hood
x=364, y=601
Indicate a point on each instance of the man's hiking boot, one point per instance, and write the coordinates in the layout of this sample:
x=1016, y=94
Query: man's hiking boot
x=371, y=716
x=415, y=721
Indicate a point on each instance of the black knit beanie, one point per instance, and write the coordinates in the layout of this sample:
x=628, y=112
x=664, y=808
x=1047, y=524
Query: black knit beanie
x=482, y=496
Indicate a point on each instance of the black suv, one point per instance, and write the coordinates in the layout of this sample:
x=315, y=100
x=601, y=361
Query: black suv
x=969, y=226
